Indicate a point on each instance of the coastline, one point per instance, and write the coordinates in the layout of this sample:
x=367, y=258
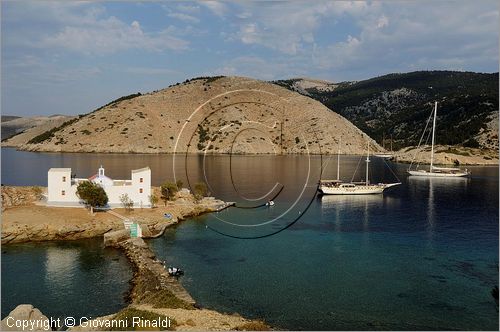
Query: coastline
x=445, y=155
x=25, y=218
x=153, y=291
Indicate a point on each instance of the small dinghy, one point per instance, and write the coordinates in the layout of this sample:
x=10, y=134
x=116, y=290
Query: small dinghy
x=174, y=271
x=270, y=203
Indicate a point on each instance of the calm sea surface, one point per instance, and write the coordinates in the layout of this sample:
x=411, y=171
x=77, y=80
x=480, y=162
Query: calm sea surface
x=422, y=256
x=65, y=278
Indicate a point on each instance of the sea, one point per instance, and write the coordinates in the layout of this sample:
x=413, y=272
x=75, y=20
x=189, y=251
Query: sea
x=422, y=256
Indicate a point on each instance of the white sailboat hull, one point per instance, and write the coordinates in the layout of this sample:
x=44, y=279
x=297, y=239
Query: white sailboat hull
x=440, y=174
x=370, y=189
x=384, y=155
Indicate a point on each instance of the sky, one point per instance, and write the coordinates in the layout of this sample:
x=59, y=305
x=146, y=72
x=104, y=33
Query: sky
x=72, y=57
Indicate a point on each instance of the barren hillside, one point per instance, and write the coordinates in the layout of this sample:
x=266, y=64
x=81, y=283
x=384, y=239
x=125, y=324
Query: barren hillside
x=215, y=115
x=14, y=125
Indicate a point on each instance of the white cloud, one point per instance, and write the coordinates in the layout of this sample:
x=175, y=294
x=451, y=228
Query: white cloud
x=84, y=27
x=249, y=34
x=216, y=7
x=187, y=8
x=184, y=17
x=410, y=36
x=111, y=35
x=288, y=27
x=371, y=36
x=382, y=21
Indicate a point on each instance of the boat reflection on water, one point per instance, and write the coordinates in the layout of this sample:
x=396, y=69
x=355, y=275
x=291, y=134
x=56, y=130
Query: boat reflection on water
x=349, y=202
x=346, y=211
x=431, y=187
x=438, y=182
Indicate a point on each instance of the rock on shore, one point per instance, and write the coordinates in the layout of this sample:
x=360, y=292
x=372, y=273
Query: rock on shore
x=18, y=196
x=28, y=314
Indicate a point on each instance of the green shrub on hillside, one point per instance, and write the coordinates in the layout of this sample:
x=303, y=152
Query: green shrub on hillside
x=50, y=133
x=168, y=191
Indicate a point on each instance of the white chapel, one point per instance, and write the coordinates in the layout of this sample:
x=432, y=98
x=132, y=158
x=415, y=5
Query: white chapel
x=62, y=187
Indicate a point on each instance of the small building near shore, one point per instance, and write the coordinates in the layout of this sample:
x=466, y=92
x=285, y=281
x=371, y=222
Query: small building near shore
x=62, y=187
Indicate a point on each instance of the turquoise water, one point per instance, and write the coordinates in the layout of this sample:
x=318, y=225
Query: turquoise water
x=422, y=256
x=65, y=278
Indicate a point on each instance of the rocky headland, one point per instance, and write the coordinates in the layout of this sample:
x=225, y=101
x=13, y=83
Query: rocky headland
x=204, y=115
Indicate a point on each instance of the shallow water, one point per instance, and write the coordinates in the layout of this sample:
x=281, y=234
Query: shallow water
x=65, y=278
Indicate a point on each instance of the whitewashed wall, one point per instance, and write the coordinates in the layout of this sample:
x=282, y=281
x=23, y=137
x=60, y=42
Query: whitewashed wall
x=56, y=185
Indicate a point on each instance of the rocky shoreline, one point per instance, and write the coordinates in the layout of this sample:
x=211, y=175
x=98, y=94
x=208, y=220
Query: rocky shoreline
x=26, y=219
x=154, y=293
x=447, y=155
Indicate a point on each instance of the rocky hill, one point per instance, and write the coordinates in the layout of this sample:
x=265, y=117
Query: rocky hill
x=15, y=125
x=398, y=105
x=5, y=118
x=210, y=114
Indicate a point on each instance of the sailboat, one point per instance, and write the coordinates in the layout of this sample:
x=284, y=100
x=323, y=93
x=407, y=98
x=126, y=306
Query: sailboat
x=385, y=155
x=449, y=172
x=338, y=187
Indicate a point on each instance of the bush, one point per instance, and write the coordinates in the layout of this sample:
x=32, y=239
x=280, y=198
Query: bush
x=179, y=184
x=200, y=190
x=131, y=96
x=50, y=133
x=127, y=203
x=164, y=298
x=153, y=200
x=168, y=191
x=92, y=194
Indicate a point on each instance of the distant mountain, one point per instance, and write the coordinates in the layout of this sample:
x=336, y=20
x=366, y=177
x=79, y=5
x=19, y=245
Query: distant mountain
x=206, y=114
x=6, y=118
x=20, y=127
x=399, y=105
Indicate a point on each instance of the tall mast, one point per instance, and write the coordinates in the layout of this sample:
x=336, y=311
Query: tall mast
x=433, y=134
x=281, y=137
x=338, y=161
x=367, y=162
